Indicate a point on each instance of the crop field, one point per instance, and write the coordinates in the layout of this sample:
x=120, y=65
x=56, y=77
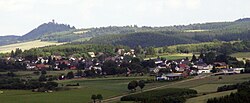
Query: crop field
x=113, y=86
x=26, y=45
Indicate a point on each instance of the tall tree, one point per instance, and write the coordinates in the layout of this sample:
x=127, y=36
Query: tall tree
x=141, y=84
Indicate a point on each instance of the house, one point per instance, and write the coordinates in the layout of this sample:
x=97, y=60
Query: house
x=30, y=66
x=41, y=66
x=182, y=67
x=203, y=71
x=220, y=65
x=170, y=76
x=92, y=54
x=228, y=71
x=154, y=70
x=238, y=70
x=120, y=51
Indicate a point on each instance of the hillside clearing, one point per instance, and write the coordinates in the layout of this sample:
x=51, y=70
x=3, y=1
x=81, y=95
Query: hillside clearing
x=26, y=45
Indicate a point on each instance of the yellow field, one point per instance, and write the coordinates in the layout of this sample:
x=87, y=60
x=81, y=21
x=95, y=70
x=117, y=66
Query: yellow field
x=26, y=45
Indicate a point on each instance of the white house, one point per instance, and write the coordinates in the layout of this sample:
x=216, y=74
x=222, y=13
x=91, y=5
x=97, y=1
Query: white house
x=238, y=70
x=203, y=71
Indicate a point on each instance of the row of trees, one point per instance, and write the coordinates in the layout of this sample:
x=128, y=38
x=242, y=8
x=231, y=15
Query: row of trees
x=134, y=84
x=169, y=95
x=241, y=96
x=96, y=98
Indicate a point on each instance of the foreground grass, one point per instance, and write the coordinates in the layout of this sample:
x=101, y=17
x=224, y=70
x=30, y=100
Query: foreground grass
x=26, y=45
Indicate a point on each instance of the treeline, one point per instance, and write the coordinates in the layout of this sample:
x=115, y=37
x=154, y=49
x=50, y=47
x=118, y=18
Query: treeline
x=241, y=96
x=64, y=36
x=169, y=95
x=17, y=83
x=222, y=47
x=76, y=50
x=6, y=65
x=144, y=39
x=232, y=87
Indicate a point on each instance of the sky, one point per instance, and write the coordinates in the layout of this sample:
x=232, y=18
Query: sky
x=17, y=17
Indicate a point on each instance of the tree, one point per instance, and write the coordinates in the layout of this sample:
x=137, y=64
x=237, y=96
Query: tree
x=194, y=59
x=43, y=72
x=132, y=85
x=70, y=75
x=42, y=78
x=12, y=53
x=141, y=84
x=201, y=56
x=109, y=67
x=210, y=58
x=99, y=97
x=94, y=97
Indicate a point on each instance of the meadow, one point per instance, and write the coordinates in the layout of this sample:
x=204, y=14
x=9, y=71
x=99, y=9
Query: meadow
x=113, y=86
x=241, y=55
x=26, y=45
x=171, y=56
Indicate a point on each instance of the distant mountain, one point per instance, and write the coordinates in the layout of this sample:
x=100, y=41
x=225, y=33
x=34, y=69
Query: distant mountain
x=4, y=40
x=45, y=28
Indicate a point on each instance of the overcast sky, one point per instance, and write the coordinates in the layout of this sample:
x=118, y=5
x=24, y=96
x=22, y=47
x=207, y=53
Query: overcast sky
x=18, y=17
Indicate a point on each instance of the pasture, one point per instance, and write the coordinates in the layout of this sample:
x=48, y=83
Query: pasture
x=113, y=86
x=26, y=45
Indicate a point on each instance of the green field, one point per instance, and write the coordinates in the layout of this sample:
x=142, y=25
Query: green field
x=172, y=56
x=204, y=98
x=241, y=55
x=108, y=87
x=26, y=45
x=115, y=86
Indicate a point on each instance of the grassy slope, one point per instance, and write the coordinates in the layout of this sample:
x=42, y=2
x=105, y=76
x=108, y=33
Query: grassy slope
x=26, y=45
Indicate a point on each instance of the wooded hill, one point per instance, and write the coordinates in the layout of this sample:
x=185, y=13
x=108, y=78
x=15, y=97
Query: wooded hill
x=36, y=33
x=144, y=36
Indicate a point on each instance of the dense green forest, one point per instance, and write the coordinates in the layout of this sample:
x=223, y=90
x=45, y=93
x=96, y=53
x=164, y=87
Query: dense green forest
x=144, y=39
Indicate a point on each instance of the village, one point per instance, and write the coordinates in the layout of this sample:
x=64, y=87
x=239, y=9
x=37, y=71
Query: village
x=127, y=63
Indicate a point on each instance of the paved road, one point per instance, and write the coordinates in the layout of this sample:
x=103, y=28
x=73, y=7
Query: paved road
x=117, y=98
